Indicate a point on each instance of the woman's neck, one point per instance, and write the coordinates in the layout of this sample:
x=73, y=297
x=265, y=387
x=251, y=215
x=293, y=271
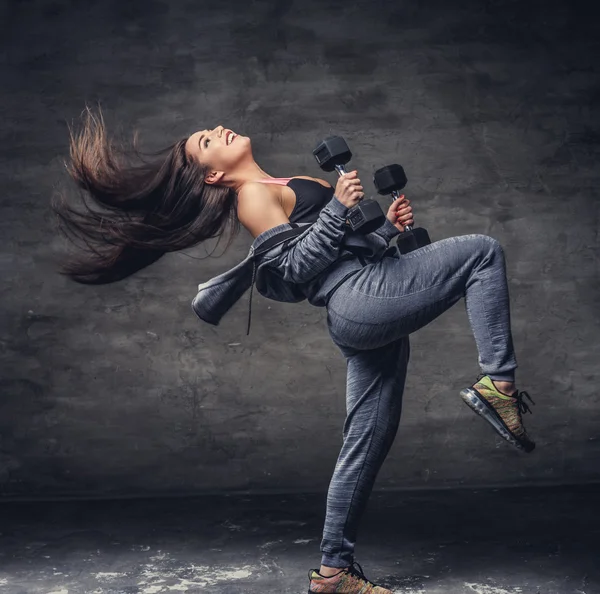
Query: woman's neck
x=249, y=174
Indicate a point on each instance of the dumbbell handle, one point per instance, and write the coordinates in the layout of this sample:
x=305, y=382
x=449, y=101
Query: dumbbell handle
x=395, y=195
x=342, y=171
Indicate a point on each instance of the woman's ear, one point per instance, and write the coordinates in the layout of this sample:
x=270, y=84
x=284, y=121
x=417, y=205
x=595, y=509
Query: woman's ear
x=213, y=177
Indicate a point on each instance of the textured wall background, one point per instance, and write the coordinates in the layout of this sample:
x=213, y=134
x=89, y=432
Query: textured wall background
x=120, y=389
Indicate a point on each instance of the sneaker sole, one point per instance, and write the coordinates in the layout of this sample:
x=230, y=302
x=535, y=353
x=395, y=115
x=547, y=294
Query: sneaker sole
x=479, y=405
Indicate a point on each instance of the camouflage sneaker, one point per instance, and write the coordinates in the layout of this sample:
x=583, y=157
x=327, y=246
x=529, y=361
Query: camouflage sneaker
x=501, y=411
x=348, y=580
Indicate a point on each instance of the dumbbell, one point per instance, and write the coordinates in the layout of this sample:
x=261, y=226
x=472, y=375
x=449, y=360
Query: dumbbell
x=390, y=180
x=333, y=153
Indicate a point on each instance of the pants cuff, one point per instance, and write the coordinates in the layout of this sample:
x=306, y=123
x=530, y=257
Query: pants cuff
x=503, y=377
x=334, y=561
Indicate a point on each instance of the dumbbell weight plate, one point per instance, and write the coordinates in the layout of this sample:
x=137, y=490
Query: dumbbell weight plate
x=409, y=241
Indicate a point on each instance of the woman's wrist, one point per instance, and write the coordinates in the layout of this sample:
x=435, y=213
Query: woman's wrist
x=338, y=207
x=388, y=230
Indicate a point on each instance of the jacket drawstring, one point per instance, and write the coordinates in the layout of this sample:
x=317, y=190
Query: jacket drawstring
x=250, y=300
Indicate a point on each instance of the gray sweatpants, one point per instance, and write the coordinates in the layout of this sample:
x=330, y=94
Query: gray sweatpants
x=370, y=317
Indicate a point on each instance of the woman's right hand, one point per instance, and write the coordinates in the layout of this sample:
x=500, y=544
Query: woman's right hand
x=348, y=189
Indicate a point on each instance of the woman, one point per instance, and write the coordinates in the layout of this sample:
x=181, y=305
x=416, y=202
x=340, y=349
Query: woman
x=303, y=249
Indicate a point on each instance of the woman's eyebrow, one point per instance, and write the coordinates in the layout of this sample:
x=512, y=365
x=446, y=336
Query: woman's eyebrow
x=200, y=141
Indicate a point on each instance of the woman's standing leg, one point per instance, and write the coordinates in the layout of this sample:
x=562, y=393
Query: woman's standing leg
x=374, y=388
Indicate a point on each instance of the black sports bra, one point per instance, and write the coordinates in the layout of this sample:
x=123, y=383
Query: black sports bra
x=311, y=197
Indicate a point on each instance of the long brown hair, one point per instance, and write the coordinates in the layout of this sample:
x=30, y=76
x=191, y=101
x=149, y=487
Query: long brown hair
x=150, y=208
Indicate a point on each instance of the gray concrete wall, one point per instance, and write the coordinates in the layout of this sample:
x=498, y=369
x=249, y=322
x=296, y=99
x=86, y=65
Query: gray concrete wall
x=121, y=390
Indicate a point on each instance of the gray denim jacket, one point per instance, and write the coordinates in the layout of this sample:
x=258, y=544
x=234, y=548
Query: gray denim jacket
x=288, y=263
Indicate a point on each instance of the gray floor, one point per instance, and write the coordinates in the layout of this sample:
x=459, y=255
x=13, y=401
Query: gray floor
x=465, y=542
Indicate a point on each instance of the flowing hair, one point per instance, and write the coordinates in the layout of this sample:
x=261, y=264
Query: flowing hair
x=149, y=208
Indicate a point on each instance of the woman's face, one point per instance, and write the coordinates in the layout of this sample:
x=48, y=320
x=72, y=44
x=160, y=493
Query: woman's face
x=219, y=149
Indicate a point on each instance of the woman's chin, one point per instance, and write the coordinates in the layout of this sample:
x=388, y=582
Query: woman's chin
x=244, y=140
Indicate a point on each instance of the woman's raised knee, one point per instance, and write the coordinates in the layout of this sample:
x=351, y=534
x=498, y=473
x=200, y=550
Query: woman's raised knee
x=488, y=243
x=491, y=250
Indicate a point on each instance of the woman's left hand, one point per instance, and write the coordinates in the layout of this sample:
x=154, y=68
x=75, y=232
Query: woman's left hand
x=400, y=213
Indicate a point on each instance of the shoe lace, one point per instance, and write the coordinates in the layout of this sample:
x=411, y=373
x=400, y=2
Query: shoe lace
x=523, y=406
x=359, y=573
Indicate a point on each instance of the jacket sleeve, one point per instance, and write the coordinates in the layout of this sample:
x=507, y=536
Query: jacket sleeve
x=317, y=250
x=387, y=230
